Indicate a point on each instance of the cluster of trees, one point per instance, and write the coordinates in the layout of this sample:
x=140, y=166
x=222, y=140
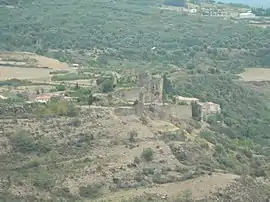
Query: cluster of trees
x=179, y=39
x=180, y=3
x=243, y=110
x=261, y=11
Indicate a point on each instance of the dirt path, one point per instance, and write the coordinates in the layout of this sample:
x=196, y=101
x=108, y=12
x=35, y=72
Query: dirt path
x=200, y=188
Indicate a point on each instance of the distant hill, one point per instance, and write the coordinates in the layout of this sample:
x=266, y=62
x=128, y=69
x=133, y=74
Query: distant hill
x=255, y=3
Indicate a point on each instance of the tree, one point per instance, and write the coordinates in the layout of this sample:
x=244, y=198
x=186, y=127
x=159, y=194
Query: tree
x=147, y=154
x=107, y=86
x=90, y=99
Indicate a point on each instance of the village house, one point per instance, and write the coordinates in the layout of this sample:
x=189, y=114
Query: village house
x=3, y=97
x=43, y=99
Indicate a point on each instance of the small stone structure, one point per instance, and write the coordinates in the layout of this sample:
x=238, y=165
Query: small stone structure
x=201, y=110
x=139, y=105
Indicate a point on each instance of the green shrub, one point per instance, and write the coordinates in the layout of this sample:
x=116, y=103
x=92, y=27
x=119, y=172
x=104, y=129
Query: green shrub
x=132, y=136
x=23, y=141
x=44, y=144
x=148, y=171
x=209, y=136
x=147, y=154
x=107, y=86
x=59, y=108
x=60, y=87
x=76, y=122
x=91, y=191
x=70, y=77
x=42, y=179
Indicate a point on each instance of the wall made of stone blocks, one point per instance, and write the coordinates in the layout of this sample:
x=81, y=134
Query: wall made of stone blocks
x=124, y=111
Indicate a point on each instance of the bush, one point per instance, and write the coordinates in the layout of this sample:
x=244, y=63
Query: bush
x=207, y=135
x=44, y=145
x=23, y=141
x=148, y=171
x=137, y=160
x=42, y=179
x=147, y=154
x=132, y=136
x=107, y=86
x=144, y=120
x=181, y=156
x=60, y=108
x=60, y=87
x=90, y=191
x=76, y=122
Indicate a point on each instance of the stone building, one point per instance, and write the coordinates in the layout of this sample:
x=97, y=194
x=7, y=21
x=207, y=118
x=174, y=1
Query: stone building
x=201, y=110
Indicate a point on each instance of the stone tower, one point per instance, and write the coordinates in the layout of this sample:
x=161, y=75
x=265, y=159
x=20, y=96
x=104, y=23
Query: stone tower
x=156, y=90
x=139, y=107
x=153, y=87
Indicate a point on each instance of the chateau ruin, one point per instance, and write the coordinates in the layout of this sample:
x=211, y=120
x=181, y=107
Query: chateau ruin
x=201, y=110
x=151, y=87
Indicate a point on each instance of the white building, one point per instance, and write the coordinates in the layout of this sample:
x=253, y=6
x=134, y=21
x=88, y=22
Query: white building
x=193, y=10
x=43, y=99
x=186, y=100
x=248, y=14
x=3, y=97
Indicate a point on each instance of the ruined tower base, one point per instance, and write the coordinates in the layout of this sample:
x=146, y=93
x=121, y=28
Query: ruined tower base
x=139, y=108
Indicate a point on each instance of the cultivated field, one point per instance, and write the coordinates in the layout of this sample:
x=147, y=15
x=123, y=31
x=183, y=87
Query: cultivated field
x=24, y=65
x=256, y=74
x=33, y=59
x=37, y=74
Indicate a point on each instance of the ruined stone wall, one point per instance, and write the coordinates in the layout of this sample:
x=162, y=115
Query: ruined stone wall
x=124, y=111
x=129, y=94
x=201, y=111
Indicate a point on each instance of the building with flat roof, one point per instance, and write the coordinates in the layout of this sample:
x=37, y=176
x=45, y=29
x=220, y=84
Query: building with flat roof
x=185, y=100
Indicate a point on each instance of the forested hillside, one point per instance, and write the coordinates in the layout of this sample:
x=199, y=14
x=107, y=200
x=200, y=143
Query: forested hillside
x=128, y=29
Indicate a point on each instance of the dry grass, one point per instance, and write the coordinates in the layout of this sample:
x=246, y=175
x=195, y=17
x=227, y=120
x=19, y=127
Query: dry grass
x=200, y=187
x=256, y=74
x=37, y=74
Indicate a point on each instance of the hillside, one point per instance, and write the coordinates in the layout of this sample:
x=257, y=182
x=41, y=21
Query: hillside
x=255, y=3
x=180, y=39
x=110, y=128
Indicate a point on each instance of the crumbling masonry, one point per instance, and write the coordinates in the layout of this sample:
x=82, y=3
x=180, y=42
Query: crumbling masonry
x=201, y=110
x=152, y=87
